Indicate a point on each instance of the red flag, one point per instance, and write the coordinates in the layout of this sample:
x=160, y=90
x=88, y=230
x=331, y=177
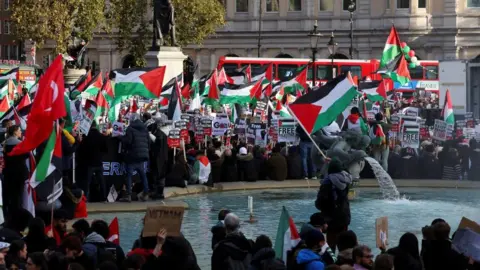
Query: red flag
x=134, y=107
x=186, y=91
x=114, y=232
x=24, y=102
x=47, y=107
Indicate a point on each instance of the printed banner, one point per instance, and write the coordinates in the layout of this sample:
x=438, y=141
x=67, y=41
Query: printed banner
x=287, y=130
x=410, y=137
x=461, y=124
x=424, y=133
x=240, y=127
x=256, y=134
x=440, y=130
x=118, y=129
x=470, y=120
x=206, y=123
x=174, y=138
x=220, y=125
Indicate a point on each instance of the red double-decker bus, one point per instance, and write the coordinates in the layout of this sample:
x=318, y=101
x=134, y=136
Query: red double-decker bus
x=424, y=76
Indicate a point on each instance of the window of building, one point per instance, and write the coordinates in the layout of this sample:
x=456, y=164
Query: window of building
x=325, y=72
x=5, y=52
x=431, y=72
x=473, y=3
x=326, y=5
x=6, y=27
x=242, y=6
x=346, y=3
x=6, y=4
x=416, y=72
x=294, y=5
x=403, y=4
x=354, y=70
x=422, y=3
x=13, y=52
x=286, y=72
x=272, y=6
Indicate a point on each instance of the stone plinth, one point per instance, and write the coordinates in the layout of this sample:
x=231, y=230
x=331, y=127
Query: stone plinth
x=171, y=57
x=72, y=75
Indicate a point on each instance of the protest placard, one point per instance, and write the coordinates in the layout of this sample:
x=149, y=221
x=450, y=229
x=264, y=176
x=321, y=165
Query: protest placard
x=424, y=134
x=188, y=118
x=467, y=239
x=410, y=137
x=118, y=129
x=173, y=139
x=163, y=217
x=256, y=134
x=381, y=229
x=470, y=121
x=220, y=126
x=440, y=130
x=287, y=130
x=206, y=123
x=240, y=127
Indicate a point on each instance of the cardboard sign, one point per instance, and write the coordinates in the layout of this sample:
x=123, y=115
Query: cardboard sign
x=163, y=217
x=287, y=130
x=174, y=138
x=188, y=118
x=440, y=130
x=220, y=125
x=381, y=229
x=207, y=126
x=410, y=137
x=118, y=129
x=256, y=134
x=469, y=120
x=182, y=125
x=240, y=126
x=424, y=134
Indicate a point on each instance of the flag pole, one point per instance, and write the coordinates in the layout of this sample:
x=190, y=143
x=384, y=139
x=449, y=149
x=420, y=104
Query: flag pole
x=308, y=134
x=55, y=126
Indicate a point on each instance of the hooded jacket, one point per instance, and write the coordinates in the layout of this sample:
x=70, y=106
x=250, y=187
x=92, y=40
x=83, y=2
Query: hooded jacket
x=136, y=143
x=265, y=259
x=338, y=211
x=235, y=246
x=177, y=254
x=91, y=245
x=15, y=173
x=310, y=259
x=277, y=167
x=218, y=233
x=246, y=168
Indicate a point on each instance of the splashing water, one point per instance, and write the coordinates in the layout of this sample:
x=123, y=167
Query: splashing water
x=387, y=187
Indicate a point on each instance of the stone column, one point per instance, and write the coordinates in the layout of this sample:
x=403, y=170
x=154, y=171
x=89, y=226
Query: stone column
x=413, y=6
x=213, y=59
x=104, y=58
x=198, y=61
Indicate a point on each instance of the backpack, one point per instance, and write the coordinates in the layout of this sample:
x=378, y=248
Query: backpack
x=237, y=264
x=376, y=135
x=325, y=201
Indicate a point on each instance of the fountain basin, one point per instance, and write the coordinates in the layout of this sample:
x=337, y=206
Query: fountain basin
x=404, y=215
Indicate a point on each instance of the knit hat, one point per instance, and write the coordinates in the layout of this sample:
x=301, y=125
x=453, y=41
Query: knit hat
x=314, y=237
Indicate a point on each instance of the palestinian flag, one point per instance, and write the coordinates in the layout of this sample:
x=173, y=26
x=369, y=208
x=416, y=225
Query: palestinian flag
x=174, y=111
x=102, y=104
x=266, y=75
x=287, y=235
x=319, y=108
x=114, y=232
x=202, y=168
x=234, y=114
x=202, y=83
x=167, y=91
x=373, y=90
x=397, y=70
x=11, y=89
x=4, y=86
x=241, y=75
x=21, y=109
x=107, y=87
x=211, y=90
x=196, y=102
x=186, y=92
x=4, y=105
x=144, y=82
x=81, y=84
x=377, y=135
x=12, y=74
x=239, y=94
x=392, y=49
x=93, y=87
x=299, y=83
x=280, y=109
x=447, y=111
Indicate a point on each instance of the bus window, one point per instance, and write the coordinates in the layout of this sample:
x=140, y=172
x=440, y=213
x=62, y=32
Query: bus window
x=355, y=70
x=309, y=74
x=286, y=72
x=431, y=72
x=257, y=69
x=325, y=72
x=229, y=68
x=416, y=73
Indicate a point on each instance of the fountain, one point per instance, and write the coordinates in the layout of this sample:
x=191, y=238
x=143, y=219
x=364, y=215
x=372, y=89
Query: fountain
x=385, y=182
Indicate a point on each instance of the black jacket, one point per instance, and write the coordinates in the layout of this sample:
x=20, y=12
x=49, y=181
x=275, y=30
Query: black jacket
x=404, y=261
x=218, y=233
x=294, y=163
x=92, y=148
x=430, y=166
x=159, y=154
x=216, y=168
x=136, y=143
x=246, y=168
x=15, y=173
x=229, y=169
x=439, y=255
x=265, y=259
x=177, y=254
x=235, y=246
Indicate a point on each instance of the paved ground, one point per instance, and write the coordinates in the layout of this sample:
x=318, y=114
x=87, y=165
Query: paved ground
x=171, y=193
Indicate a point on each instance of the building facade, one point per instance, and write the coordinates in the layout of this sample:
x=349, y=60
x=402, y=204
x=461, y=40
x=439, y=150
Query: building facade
x=435, y=29
x=10, y=47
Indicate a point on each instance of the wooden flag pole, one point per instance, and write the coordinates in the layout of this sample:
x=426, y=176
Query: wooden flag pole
x=308, y=134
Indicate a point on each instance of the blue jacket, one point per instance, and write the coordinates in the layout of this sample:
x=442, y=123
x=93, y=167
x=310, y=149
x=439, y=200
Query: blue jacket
x=310, y=259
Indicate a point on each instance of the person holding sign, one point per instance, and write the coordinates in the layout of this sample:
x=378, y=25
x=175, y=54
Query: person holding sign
x=136, y=145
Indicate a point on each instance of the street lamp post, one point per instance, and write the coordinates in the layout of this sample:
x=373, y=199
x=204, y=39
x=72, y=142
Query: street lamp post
x=314, y=38
x=351, y=9
x=332, y=49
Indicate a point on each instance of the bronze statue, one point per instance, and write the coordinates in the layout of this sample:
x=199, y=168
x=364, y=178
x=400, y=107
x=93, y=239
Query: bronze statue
x=163, y=23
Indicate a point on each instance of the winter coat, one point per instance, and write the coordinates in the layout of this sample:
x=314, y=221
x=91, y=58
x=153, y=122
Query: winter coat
x=294, y=163
x=136, y=143
x=92, y=148
x=15, y=173
x=430, y=166
x=265, y=259
x=178, y=175
x=439, y=255
x=337, y=212
x=91, y=245
x=260, y=162
x=277, y=167
x=218, y=233
x=177, y=253
x=216, y=168
x=229, y=169
x=474, y=172
x=246, y=168
x=158, y=154
x=403, y=260
x=235, y=246
x=310, y=259
x=345, y=257
x=39, y=243
x=395, y=165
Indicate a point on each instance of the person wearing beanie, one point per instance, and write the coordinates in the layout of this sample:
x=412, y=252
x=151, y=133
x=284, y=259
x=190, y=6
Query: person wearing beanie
x=308, y=258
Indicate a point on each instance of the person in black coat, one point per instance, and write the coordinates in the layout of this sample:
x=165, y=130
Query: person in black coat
x=294, y=161
x=179, y=173
x=264, y=255
x=91, y=152
x=260, y=159
x=136, y=145
x=474, y=171
x=406, y=256
x=15, y=173
x=246, y=166
x=229, y=166
x=158, y=157
x=101, y=227
x=429, y=163
x=36, y=239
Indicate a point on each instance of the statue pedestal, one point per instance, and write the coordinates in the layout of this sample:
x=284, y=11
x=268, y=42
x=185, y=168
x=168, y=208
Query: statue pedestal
x=71, y=75
x=171, y=57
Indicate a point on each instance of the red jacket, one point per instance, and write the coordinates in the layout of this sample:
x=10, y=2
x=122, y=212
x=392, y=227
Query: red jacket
x=81, y=209
x=56, y=235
